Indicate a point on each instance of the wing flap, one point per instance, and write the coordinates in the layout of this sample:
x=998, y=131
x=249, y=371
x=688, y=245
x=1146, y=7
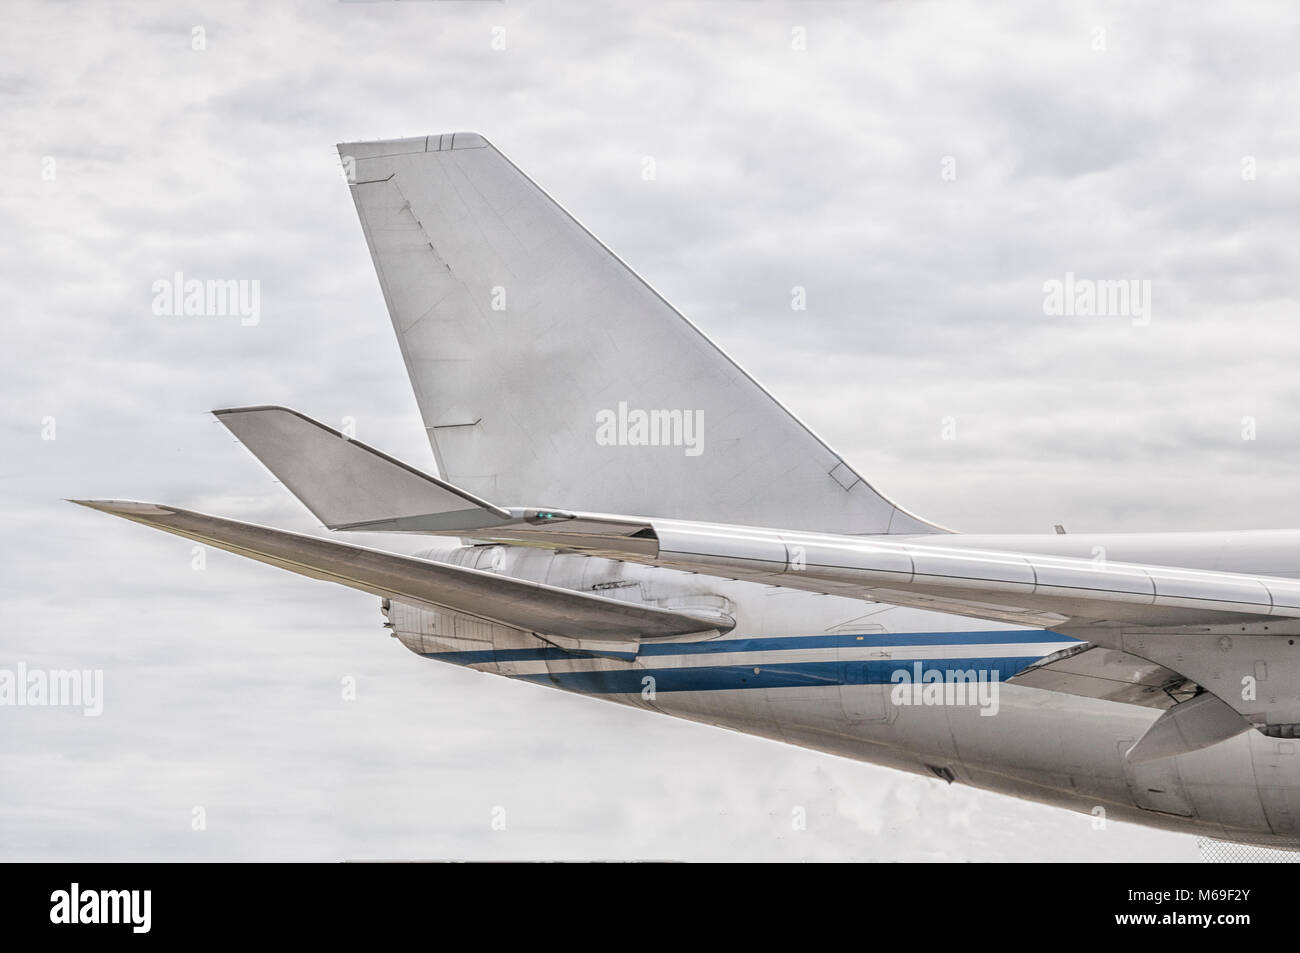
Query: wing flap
x=1189, y=726
x=1095, y=671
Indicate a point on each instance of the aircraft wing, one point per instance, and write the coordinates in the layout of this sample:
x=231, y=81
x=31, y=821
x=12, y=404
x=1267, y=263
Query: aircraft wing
x=350, y=486
x=1025, y=588
x=535, y=607
x=1191, y=641
x=1220, y=646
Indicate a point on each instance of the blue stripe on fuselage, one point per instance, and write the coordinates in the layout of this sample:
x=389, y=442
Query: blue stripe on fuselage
x=781, y=644
x=719, y=678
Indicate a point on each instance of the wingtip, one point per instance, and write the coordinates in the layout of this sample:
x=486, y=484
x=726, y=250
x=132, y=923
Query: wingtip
x=93, y=504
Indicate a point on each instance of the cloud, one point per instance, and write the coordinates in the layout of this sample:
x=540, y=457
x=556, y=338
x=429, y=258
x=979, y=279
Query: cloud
x=819, y=168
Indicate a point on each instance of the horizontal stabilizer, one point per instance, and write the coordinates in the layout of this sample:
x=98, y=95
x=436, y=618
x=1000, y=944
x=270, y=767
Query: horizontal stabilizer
x=531, y=606
x=348, y=485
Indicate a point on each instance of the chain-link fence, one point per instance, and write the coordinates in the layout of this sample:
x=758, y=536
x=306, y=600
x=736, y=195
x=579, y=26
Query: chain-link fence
x=1226, y=852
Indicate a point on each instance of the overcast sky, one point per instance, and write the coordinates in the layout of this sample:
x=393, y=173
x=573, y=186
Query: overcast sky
x=922, y=169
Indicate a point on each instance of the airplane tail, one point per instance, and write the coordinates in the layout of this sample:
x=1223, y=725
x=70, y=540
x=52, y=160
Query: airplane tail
x=549, y=373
